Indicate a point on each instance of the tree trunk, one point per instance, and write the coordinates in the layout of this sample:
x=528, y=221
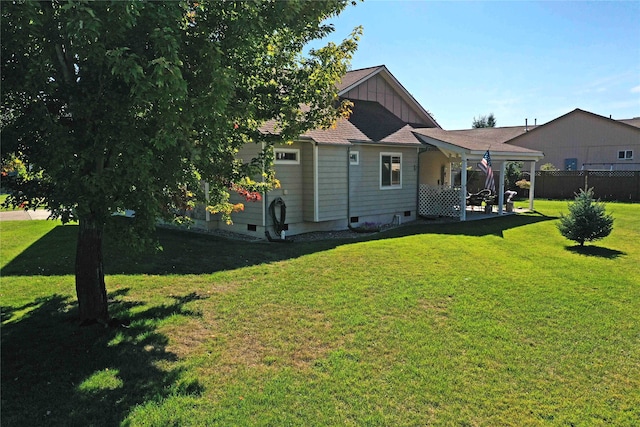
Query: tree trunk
x=90, y=286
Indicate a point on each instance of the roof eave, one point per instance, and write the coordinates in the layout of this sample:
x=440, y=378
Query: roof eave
x=478, y=154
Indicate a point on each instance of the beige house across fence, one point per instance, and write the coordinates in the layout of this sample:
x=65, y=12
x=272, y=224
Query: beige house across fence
x=580, y=140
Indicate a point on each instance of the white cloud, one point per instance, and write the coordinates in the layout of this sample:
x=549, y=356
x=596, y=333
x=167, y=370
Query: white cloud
x=635, y=89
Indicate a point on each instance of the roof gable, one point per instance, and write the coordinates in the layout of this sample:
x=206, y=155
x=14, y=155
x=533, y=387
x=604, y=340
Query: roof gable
x=379, y=85
x=573, y=115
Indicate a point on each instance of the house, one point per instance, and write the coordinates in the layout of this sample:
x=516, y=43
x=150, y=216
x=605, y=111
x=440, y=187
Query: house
x=580, y=140
x=367, y=169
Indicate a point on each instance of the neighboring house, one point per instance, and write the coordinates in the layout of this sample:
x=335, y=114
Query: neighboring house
x=369, y=168
x=580, y=140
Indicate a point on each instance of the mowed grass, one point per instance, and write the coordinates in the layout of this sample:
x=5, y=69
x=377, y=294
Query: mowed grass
x=500, y=322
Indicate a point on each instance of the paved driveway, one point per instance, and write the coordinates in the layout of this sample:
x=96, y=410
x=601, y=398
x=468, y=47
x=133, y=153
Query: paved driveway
x=23, y=215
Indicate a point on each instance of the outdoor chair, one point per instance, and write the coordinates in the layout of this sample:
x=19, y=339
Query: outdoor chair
x=476, y=199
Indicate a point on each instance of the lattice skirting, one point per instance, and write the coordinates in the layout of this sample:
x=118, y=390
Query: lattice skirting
x=439, y=200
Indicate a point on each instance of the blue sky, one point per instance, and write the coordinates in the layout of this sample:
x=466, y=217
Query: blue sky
x=517, y=60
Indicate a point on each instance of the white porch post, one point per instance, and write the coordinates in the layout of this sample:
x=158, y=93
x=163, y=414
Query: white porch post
x=503, y=169
x=463, y=188
x=532, y=181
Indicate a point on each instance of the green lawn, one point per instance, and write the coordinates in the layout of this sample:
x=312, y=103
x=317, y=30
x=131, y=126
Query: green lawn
x=3, y=197
x=501, y=322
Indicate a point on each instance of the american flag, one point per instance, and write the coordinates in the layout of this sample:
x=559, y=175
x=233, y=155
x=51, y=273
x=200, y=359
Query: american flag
x=485, y=165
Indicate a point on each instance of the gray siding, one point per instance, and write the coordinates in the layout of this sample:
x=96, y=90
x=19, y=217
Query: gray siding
x=366, y=197
x=308, y=188
x=291, y=187
x=332, y=185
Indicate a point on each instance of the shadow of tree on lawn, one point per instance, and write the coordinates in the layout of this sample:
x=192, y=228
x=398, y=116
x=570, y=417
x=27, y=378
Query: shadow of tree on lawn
x=56, y=373
x=595, y=251
x=496, y=226
x=194, y=253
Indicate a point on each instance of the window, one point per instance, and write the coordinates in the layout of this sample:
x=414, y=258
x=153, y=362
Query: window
x=354, y=157
x=625, y=155
x=390, y=170
x=570, y=164
x=290, y=156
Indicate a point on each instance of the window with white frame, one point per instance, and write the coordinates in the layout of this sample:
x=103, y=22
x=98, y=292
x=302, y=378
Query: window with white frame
x=390, y=170
x=625, y=155
x=354, y=157
x=287, y=156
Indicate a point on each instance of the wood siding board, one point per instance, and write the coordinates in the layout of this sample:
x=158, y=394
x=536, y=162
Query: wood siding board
x=332, y=188
x=362, y=91
x=397, y=105
x=307, y=178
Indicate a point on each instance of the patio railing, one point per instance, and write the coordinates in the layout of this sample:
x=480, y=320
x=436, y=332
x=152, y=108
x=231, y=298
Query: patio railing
x=439, y=200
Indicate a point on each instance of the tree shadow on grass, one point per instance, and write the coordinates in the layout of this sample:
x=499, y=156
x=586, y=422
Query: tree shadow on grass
x=56, y=373
x=194, y=253
x=596, y=251
x=496, y=226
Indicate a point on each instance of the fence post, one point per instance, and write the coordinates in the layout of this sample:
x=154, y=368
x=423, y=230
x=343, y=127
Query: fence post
x=586, y=180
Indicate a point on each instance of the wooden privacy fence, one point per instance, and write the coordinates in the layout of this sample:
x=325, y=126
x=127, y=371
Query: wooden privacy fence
x=623, y=186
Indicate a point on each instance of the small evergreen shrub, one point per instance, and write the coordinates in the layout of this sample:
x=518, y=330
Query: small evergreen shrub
x=587, y=220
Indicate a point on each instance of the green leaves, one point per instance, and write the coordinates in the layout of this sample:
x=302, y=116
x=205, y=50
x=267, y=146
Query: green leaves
x=587, y=220
x=124, y=105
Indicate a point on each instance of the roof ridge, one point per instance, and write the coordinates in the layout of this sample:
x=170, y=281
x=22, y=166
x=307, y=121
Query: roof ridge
x=366, y=68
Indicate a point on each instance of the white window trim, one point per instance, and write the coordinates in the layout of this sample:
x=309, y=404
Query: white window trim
x=296, y=151
x=389, y=187
x=357, y=160
x=624, y=155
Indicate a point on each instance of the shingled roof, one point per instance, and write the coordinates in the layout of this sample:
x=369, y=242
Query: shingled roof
x=369, y=122
x=477, y=141
x=354, y=77
x=474, y=139
x=633, y=122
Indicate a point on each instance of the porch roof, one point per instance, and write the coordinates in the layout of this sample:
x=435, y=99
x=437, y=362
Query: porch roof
x=475, y=142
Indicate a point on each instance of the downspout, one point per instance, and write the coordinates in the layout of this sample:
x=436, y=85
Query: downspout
x=316, y=185
x=264, y=199
x=349, y=186
x=207, y=214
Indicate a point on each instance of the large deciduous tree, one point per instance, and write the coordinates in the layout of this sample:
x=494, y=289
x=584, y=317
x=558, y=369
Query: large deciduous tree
x=118, y=105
